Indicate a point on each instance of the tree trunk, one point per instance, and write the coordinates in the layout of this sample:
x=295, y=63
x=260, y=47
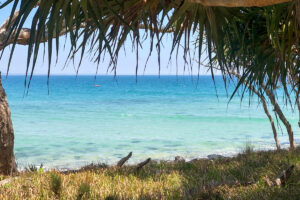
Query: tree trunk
x=262, y=98
x=7, y=159
x=278, y=110
x=298, y=105
x=272, y=123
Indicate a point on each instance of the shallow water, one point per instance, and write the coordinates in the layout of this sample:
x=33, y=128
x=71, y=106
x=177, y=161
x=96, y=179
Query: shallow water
x=78, y=123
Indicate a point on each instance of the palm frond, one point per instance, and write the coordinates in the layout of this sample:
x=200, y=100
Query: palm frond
x=261, y=44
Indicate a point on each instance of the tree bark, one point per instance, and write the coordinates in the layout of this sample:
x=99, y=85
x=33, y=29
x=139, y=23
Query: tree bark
x=7, y=159
x=295, y=79
x=298, y=104
x=24, y=36
x=297, y=92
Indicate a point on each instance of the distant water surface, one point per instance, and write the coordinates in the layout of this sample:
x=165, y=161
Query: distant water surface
x=78, y=123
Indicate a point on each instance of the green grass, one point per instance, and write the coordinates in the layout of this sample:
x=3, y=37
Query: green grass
x=241, y=177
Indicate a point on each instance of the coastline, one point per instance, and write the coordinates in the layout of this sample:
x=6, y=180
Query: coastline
x=134, y=162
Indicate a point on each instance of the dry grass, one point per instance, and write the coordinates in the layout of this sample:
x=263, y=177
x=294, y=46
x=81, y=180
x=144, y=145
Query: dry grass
x=241, y=177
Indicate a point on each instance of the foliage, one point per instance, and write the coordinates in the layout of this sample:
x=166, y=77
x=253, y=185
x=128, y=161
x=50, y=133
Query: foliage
x=263, y=46
x=240, y=177
x=260, y=43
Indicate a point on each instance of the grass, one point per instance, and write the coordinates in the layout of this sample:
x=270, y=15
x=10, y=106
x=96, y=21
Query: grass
x=56, y=184
x=242, y=177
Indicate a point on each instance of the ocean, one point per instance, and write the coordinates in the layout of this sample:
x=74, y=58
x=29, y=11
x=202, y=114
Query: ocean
x=77, y=123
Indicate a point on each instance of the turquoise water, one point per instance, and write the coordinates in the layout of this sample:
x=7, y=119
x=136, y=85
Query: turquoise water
x=78, y=123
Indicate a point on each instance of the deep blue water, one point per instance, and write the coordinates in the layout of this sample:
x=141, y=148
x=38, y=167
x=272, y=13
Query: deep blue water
x=77, y=123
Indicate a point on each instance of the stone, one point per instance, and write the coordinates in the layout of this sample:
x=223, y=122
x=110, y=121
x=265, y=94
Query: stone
x=179, y=159
x=214, y=156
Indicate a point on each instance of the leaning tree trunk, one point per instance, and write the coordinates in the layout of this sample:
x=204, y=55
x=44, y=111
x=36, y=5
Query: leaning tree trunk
x=265, y=106
x=297, y=92
x=280, y=114
x=271, y=121
x=298, y=104
x=7, y=159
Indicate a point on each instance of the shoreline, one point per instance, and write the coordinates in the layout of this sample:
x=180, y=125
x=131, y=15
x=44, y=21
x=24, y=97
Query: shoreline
x=130, y=163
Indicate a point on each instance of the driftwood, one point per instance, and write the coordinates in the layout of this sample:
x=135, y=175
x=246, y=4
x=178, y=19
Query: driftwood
x=124, y=160
x=284, y=176
x=142, y=164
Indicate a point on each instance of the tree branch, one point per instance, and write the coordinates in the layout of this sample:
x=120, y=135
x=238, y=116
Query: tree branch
x=24, y=36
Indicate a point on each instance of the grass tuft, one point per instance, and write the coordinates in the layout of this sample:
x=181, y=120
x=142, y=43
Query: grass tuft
x=31, y=168
x=84, y=191
x=56, y=184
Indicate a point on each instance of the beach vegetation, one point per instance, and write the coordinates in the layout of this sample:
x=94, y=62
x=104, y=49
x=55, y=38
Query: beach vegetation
x=83, y=191
x=56, y=184
x=248, y=175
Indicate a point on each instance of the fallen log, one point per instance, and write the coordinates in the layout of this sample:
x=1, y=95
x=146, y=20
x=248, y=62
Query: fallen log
x=124, y=160
x=142, y=164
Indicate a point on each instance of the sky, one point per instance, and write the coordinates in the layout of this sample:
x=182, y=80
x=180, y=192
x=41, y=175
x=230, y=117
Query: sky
x=126, y=61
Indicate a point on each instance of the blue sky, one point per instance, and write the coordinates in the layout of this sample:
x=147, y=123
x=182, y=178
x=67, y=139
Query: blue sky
x=126, y=62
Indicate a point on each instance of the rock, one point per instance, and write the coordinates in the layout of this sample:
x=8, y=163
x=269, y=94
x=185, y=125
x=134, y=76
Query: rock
x=179, y=159
x=214, y=156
